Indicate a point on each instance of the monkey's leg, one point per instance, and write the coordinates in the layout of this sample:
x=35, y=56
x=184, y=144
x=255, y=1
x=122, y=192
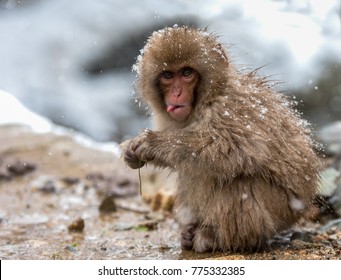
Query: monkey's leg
x=188, y=223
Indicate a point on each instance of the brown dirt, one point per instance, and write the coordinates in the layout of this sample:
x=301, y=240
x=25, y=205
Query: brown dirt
x=62, y=200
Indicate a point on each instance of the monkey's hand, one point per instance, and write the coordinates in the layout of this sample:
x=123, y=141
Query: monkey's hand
x=137, y=151
x=129, y=155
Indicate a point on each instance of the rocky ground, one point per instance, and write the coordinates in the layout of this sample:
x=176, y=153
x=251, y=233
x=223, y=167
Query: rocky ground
x=61, y=198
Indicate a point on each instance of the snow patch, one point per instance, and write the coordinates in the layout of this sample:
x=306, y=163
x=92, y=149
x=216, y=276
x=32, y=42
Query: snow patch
x=13, y=112
x=297, y=204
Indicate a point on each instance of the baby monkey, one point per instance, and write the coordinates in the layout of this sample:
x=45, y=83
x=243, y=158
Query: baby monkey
x=245, y=161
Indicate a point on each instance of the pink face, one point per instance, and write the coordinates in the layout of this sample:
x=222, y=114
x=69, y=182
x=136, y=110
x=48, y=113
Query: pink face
x=178, y=89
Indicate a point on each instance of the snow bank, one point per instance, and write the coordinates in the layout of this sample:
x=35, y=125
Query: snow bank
x=12, y=112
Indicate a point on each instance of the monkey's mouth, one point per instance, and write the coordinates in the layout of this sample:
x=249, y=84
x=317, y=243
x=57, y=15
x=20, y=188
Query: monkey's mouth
x=179, y=112
x=172, y=107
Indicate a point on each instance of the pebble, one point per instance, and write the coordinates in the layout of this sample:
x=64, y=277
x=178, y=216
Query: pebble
x=48, y=187
x=108, y=205
x=20, y=168
x=302, y=236
x=71, y=180
x=76, y=226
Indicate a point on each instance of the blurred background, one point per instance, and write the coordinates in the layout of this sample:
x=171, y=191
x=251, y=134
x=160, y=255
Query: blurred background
x=71, y=60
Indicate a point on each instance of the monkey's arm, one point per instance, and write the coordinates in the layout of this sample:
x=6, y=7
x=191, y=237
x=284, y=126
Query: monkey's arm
x=217, y=154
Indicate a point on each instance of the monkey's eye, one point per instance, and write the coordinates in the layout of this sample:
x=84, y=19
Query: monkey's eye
x=167, y=75
x=186, y=72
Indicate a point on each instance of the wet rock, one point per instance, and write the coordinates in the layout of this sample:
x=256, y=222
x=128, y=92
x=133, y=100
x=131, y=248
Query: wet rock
x=302, y=236
x=76, y=226
x=48, y=187
x=116, y=186
x=108, y=205
x=281, y=240
x=45, y=184
x=69, y=181
x=20, y=168
x=332, y=225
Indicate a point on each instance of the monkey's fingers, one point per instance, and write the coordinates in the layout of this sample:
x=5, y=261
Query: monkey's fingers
x=132, y=160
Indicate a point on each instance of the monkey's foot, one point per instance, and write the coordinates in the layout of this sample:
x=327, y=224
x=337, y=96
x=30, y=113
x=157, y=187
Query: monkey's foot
x=204, y=240
x=200, y=240
x=187, y=235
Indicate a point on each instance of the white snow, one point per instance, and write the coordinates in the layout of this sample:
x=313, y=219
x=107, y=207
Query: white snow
x=13, y=112
x=44, y=46
x=297, y=204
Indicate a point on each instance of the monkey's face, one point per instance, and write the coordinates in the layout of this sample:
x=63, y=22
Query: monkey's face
x=178, y=89
x=176, y=70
